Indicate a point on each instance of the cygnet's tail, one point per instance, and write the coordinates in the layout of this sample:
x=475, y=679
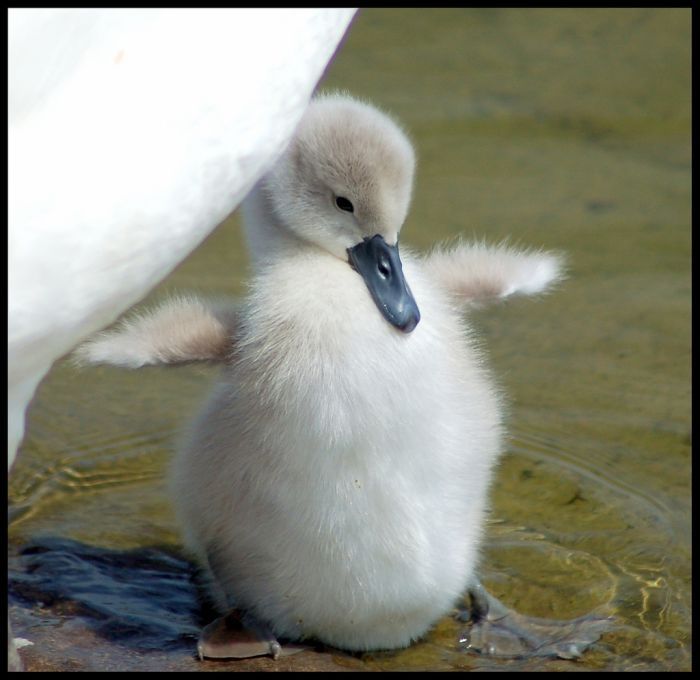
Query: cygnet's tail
x=477, y=273
x=180, y=330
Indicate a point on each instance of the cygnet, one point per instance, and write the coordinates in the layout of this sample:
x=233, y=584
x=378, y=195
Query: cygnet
x=335, y=484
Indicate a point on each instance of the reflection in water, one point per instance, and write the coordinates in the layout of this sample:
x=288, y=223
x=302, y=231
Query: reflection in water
x=565, y=129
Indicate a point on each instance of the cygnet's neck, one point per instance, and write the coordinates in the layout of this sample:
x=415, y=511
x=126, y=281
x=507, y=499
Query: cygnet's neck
x=267, y=237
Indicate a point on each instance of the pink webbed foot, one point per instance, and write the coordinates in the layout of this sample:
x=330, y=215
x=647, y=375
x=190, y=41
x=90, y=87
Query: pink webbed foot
x=228, y=637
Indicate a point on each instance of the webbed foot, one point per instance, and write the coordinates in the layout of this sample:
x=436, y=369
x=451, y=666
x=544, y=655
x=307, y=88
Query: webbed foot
x=234, y=637
x=497, y=631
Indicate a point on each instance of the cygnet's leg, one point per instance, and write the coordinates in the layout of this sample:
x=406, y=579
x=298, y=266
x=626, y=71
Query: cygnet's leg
x=494, y=630
x=237, y=636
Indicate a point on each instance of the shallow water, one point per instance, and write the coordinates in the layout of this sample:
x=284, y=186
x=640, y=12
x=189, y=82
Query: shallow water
x=565, y=129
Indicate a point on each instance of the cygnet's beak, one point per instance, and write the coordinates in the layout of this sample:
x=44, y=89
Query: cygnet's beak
x=380, y=266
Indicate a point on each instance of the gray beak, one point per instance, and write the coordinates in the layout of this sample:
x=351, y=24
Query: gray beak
x=380, y=266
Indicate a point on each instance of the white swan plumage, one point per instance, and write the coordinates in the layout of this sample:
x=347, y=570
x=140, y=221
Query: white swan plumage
x=132, y=134
x=335, y=483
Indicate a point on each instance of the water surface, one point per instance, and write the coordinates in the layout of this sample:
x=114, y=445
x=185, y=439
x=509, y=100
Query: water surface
x=563, y=129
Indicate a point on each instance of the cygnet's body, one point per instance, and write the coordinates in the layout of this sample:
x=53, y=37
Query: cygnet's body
x=337, y=478
x=335, y=483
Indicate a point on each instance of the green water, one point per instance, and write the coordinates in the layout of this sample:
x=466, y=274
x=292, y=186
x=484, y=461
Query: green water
x=565, y=129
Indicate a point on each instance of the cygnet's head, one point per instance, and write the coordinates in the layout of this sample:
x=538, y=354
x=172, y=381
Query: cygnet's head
x=344, y=184
x=346, y=174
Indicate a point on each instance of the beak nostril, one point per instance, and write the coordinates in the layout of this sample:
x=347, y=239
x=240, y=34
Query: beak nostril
x=384, y=268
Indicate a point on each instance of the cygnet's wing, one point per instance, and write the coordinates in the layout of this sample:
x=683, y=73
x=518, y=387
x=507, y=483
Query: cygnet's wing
x=181, y=330
x=476, y=273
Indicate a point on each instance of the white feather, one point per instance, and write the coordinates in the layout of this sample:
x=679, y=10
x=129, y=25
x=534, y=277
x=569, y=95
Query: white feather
x=181, y=329
x=132, y=134
x=476, y=273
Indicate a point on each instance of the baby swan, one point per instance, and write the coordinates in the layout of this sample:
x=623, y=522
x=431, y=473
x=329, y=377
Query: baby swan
x=335, y=483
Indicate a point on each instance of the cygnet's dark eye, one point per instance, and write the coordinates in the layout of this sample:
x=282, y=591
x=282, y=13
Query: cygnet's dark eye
x=344, y=204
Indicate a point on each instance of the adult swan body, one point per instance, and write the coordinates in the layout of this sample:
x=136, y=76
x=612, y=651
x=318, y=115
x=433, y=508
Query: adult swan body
x=132, y=134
